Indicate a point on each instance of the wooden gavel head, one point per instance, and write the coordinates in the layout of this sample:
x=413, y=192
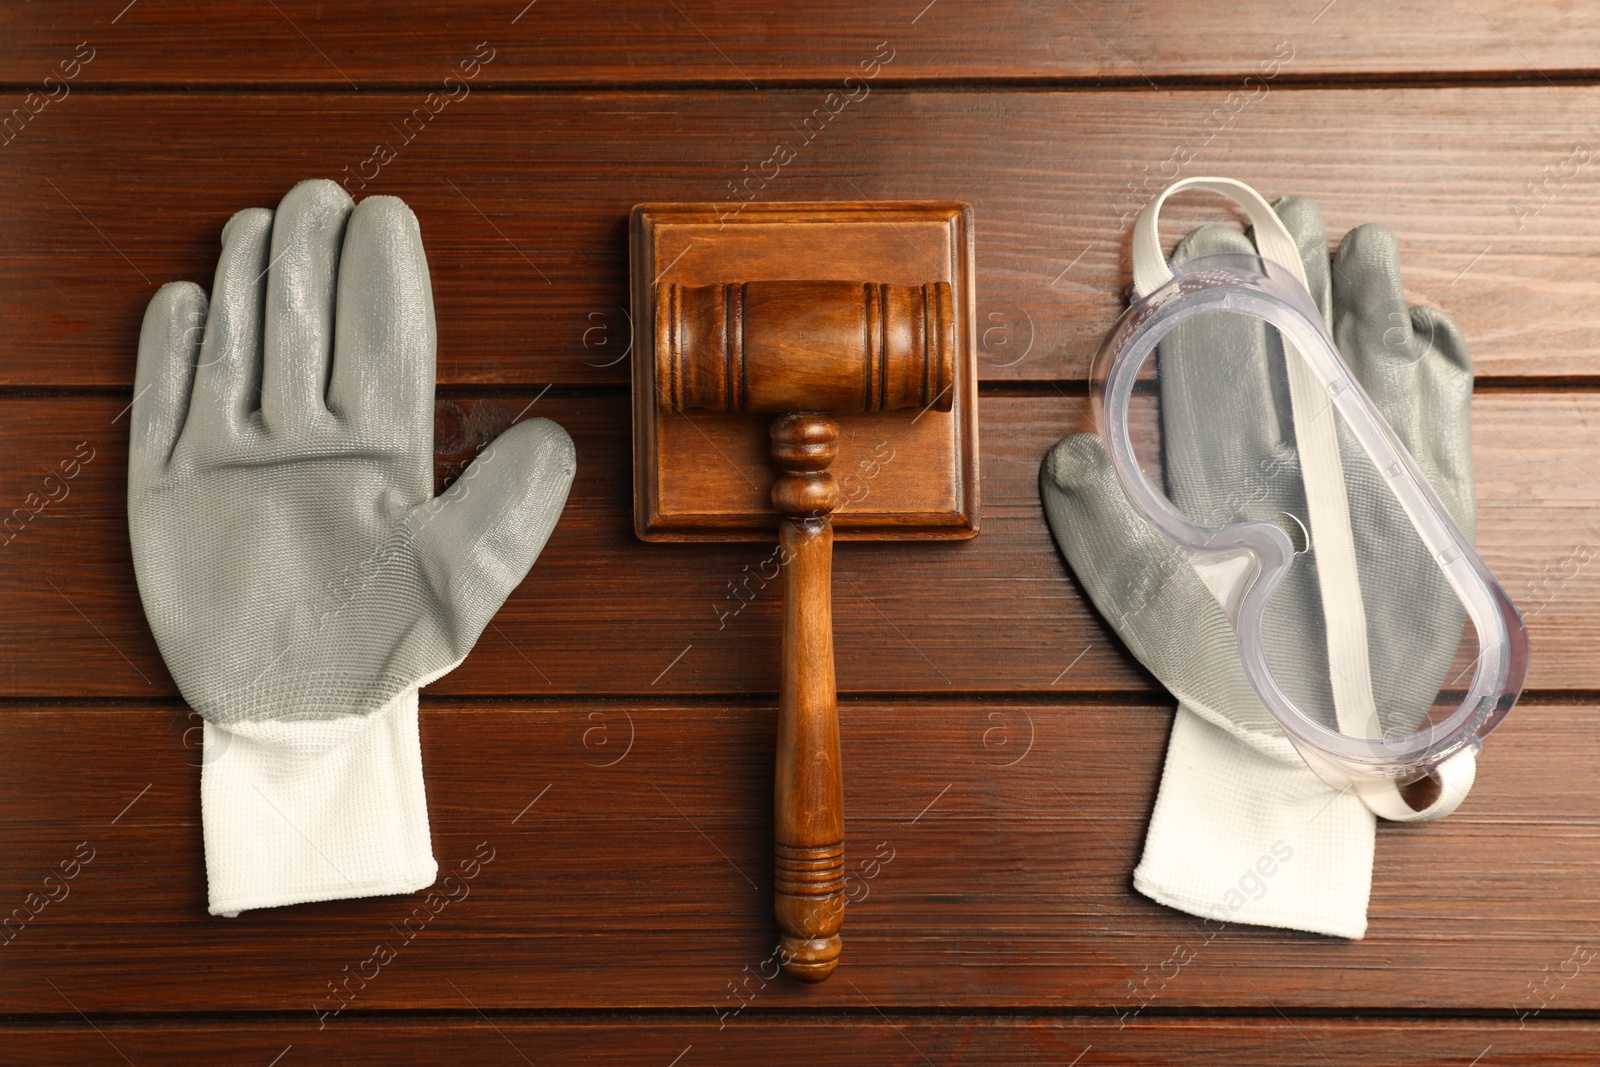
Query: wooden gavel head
x=803, y=351
x=778, y=347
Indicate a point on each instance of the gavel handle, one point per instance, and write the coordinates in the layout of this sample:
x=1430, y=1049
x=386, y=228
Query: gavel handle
x=808, y=798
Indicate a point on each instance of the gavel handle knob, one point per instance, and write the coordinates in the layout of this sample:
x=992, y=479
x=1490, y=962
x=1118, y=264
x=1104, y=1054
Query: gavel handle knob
x=808, y=830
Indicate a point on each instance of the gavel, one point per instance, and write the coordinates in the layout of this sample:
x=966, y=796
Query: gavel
x=804, y=351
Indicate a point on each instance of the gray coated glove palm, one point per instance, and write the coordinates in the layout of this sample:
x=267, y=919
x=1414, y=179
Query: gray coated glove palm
x=292, y=559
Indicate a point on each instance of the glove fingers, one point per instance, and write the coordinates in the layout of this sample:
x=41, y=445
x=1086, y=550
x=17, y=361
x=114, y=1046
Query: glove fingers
x=1303, y=219
x=1223, y=403
x=169, y=345
x=476, y=542
x=383, y=359
x=228, y=375
x=298, y=340
x=1372, y=325
x=1413, y=362
x=1443, y=438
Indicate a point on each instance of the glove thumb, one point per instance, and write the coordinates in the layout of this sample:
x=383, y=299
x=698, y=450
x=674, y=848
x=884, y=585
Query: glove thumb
x=1128, y=569
x=475, y=542
x=1148, y=591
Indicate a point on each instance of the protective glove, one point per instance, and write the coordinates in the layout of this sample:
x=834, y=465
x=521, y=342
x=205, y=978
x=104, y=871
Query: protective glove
x=1243, y=830
x=300, y=577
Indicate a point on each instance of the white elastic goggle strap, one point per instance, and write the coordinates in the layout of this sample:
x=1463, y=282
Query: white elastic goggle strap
x=1327, y=502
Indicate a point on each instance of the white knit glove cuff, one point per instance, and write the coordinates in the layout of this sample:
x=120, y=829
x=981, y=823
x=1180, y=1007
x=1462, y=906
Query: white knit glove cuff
x=1240, y=837
x=300, y=811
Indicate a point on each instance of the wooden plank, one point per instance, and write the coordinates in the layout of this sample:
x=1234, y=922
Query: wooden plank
x=369, y=44
x=624, y=862
x=524, y=198
x=898, y=1041
x=602, y=612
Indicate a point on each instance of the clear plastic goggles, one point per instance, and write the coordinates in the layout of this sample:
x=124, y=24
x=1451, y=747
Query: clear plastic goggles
x=1366, y=622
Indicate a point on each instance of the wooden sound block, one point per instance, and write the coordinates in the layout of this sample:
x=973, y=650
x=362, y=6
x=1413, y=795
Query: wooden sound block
x=903, y=475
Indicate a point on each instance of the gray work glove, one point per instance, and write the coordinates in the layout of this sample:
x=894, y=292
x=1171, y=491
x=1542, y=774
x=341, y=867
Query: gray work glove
x=1243, y=830
x=300, y=577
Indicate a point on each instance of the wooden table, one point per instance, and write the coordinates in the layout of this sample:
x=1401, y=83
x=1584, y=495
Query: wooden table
x=609, y=741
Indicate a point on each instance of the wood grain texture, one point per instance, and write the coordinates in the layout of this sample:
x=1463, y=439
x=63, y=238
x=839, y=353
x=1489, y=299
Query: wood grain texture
x=524, y=199
x=603, y=613
x=608, y=746
x=897, y=1041
x=559, y=42
x=585, y=845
